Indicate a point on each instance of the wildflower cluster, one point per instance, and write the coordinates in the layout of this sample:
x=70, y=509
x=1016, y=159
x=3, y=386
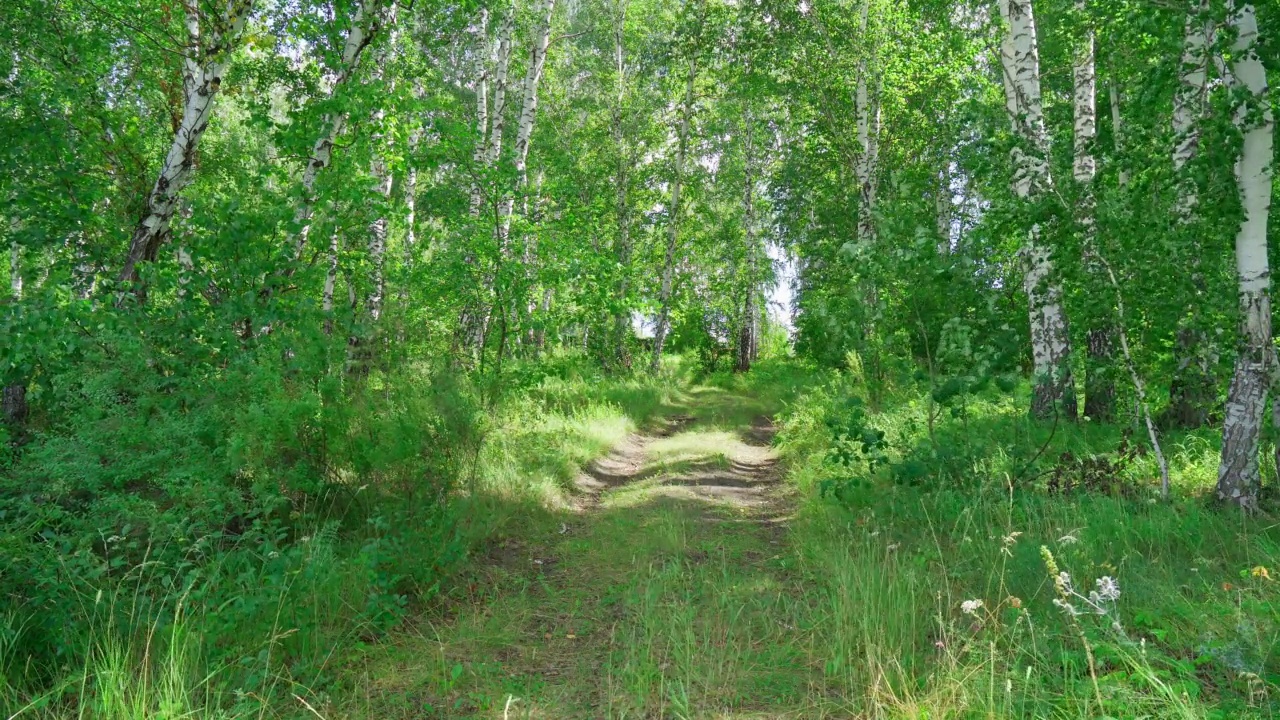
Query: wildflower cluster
x=1099, y=601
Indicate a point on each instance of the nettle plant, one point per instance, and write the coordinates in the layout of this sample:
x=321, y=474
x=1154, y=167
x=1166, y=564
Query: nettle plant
x=963, y=367
x=857, y=449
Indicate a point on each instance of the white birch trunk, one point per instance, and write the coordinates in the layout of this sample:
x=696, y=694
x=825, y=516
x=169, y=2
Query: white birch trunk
x=498, y=113
x=621, y=321
x=382, y=187
x=943, y=211
x=205, y=60
x=746, y=348
x=13, y=397
x=1117, y=132
x=1020, y=61
x=528, y=113
x=1100, y=391
x=15, y=271
x=410, y=215
x=364, y=29
x=1189, y=103
x=867, y=112
x=491, y=89
x=1192, y=390
x=186, y=265
x=1238, y=474
x=484, y=67
x=1084, y=167
x=491, y=121
x=330, y=283
x=673, y=223
x=378, y=246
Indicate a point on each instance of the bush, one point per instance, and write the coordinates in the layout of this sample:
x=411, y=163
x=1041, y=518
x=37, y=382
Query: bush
x=948, y=520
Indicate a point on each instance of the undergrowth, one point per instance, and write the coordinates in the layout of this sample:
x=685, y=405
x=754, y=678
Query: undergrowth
x=214, y=553
x=934, y=557
x=956, y=573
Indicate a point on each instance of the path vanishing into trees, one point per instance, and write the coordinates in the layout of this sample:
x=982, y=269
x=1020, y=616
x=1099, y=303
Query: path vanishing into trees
x=668, y=591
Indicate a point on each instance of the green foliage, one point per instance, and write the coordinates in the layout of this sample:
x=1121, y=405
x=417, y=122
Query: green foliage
x=958, y=515
x=273, y=368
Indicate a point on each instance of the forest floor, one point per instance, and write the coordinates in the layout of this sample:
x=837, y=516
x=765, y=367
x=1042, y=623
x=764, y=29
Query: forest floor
x=662, y=592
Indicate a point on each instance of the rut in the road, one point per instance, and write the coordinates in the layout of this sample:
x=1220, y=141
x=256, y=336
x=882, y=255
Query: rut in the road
x=678, y=460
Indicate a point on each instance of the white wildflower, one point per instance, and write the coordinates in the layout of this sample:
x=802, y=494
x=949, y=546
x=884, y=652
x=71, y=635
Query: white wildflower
x=1108, y=588
x=1068, y=540
x=1064, y=580
x=971, y=607
x=1008, y=542
x=1066, y=607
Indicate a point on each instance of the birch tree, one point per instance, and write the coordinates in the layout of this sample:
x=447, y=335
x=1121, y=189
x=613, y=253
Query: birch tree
x=1238, y=475
x=1100, y=391
x=622, y=183
x=366, y=24
x=491, y=89
x=382, y=185
x=1050, y=344
x=13, y=404
x=867, y=110
x=1192, y=388
x=528, y=111
x=211, y=43
x=663, y=325
x=748, y=321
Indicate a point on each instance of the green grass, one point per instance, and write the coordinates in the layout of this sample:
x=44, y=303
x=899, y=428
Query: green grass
x=716, y=579
x=662, y=603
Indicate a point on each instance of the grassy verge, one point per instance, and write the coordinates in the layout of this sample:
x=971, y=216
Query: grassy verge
x=257, y=615
x=932, y=561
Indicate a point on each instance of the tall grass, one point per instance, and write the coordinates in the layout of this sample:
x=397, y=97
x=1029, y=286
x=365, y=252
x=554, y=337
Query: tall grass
x=257, y=620
x=1195, y=632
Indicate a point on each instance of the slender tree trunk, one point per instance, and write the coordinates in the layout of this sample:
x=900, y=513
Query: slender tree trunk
x=484, y=67
x=13, y=404
x=943, y=211
x=1139, y=387
x=528, y=113
x=524, y=136
x=1050, y=344
x=747, y=322
x=1117, y=133
x=378, y=247
x=626, y=162
x=673, y=222
x=1099, y=387
x=205, y=60
x=1239, y=480
x=330, y=283
x=15, y=271
x=364, y=29
x=491, y=123
x=867, y=111
x=382, y=186
x=473, y=325
x=1192, y=391
x=186, y=264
